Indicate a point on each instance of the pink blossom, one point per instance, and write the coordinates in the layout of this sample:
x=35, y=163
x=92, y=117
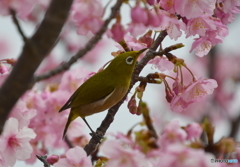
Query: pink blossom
x=178, y=104
x=122, y=155
x=2, y=161
x=136, y=29
x=210, y=35
x=194, y=130
x=15, y=142
x=168, y=5
x=172, y=133
x=22, y=7
x=172, y=24
x=155, y=18
x=162, y=63
x=192, y=9
x=133, y=44
x=216, y=36
x=201, y=46
x=87, y=16
x=200, y=25
x=193, y=93
x=70, y=81
x=198, y=90
x=177, y=155
x=225, y=18
x=75, y=157
x=229, y=5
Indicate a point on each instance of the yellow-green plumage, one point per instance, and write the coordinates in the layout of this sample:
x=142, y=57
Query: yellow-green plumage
x=104, y=89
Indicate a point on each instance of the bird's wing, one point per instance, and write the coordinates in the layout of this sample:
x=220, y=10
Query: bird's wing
x=90, y=91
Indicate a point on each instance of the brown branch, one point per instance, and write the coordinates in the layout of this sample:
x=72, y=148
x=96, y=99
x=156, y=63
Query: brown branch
x=93, y=143
x=42, y=41
x=235, y=125
x=92, y=42
x=43, y=159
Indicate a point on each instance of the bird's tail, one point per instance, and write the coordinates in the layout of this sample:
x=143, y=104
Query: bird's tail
x=71, y=118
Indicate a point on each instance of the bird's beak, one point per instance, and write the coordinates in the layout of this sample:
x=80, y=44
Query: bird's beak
x=141, y=51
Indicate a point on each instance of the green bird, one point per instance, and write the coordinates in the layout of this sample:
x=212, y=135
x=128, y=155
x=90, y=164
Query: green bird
x=103, y=90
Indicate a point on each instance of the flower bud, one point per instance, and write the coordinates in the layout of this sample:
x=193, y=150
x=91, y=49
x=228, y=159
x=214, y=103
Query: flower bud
x=52, y=159
x=132, y=105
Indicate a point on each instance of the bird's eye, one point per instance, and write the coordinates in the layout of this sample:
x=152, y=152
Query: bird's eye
x=129, y=60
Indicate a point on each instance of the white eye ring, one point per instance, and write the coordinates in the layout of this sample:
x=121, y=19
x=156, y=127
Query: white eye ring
x=129, y=60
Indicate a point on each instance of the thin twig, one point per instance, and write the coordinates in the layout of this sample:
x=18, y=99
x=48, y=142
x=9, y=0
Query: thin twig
x=93, y=143
x=91, y=43
x=43, y=159
x=16, y=22
x=68, y=142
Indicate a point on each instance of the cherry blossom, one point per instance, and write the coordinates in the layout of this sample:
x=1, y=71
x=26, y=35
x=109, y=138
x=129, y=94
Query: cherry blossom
x=172, y=133
x=194, y=92
x=75, y=157
x=172, y=24
x=201, y=46
x=179, y=155
x=87, y=16
x=162, y=63
x=168, y=5
x=23, y=7
x=194, y=130
x=200, y=25
x=15, y=142
x=198, y=90
x=192, y=9
x=121, y=155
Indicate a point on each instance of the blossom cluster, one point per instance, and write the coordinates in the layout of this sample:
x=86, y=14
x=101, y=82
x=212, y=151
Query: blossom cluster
x=207, y=19
x=35, y=126
x=176, y=146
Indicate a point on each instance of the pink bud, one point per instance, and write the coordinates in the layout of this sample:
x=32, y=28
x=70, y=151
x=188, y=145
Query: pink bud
x=118, y=32
x=52, y=159
x=154, y=19
x=132, y=105
x=151, y=2
x=139, y=15
x=194, y=130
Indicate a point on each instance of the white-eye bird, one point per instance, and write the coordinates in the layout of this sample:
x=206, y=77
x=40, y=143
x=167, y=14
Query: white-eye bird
x=103, y=90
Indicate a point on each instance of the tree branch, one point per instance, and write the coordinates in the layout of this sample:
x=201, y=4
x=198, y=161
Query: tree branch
x=92, y=145
x=235, y=125
x=43, y=159
x=41, y=44
x=91, y=43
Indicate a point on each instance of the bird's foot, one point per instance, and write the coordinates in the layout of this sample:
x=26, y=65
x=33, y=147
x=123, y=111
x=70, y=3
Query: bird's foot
x=96, y=136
